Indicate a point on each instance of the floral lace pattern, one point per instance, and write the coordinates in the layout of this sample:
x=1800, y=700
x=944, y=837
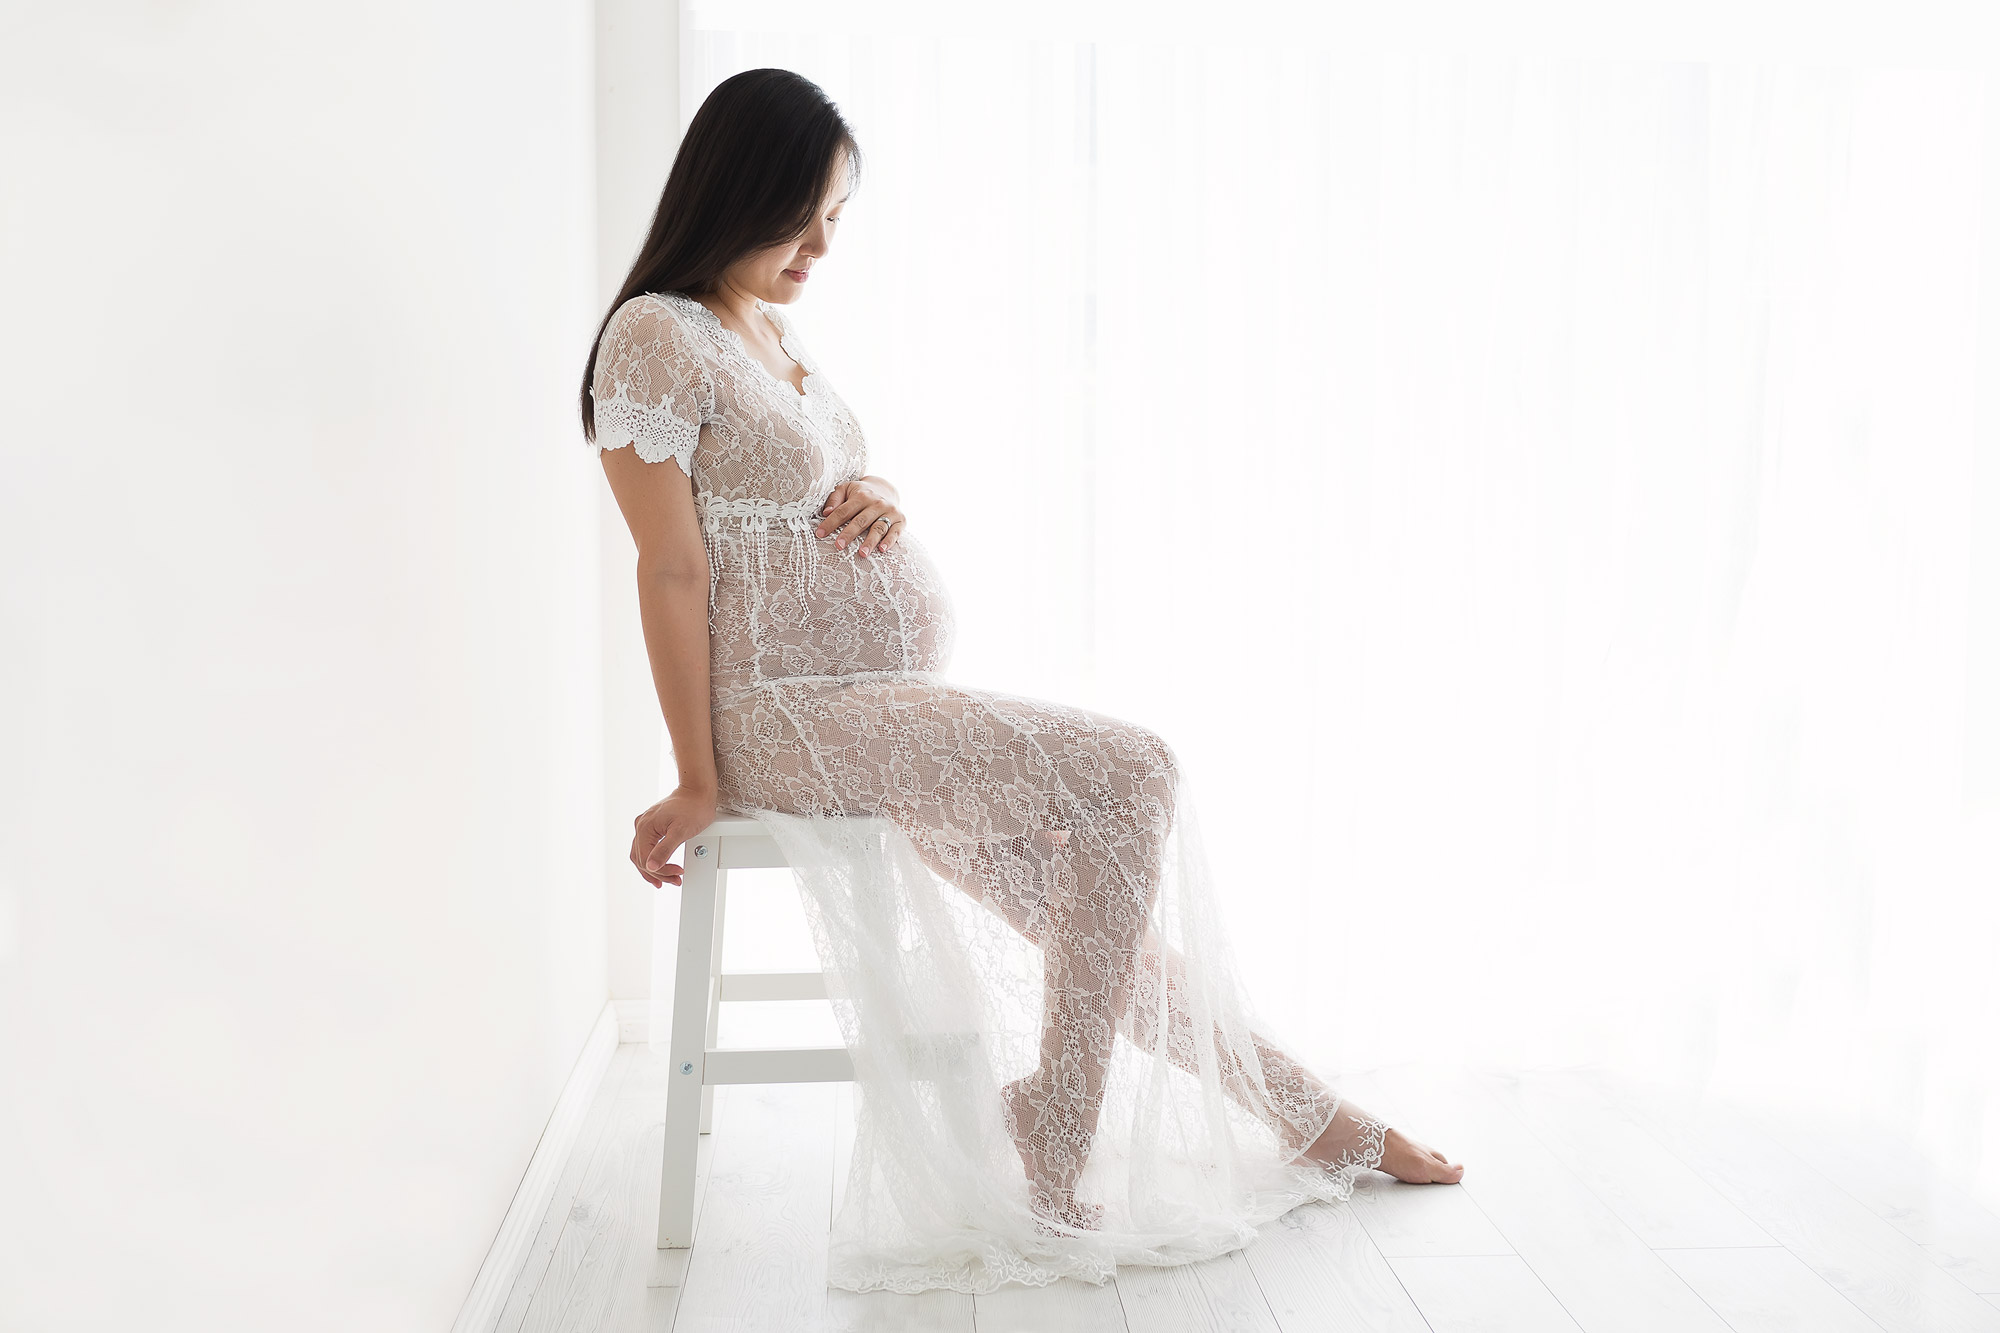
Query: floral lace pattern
x=1056, y=1067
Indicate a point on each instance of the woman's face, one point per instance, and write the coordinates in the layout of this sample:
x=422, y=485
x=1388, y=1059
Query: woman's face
x=779, y=274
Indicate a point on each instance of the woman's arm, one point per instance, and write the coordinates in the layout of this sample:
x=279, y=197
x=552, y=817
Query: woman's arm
x=657, y=500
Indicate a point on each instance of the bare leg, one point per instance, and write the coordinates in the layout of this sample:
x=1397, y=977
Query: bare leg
x=1096, y=913
x=1281, y=1091
x=1285, y=1094
x=1087, y=911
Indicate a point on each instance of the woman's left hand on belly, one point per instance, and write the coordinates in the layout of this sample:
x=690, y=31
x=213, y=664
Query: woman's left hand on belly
x=865, y=509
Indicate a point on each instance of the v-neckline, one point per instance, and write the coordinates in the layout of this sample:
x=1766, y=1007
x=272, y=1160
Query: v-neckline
x=799, y=393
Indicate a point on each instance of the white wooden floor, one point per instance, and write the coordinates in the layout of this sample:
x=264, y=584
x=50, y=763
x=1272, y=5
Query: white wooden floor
x=1582, y=1209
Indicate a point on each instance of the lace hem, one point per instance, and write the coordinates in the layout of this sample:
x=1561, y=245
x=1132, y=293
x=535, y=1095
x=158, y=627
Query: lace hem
x=992, y=1265
x=1364, y=1155
x=654, y=433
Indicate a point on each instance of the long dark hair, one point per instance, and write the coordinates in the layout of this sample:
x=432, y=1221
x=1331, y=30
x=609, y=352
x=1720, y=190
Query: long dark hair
x=754, y=165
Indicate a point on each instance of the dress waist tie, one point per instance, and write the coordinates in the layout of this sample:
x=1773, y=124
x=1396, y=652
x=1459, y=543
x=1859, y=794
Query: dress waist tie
x=756, y=515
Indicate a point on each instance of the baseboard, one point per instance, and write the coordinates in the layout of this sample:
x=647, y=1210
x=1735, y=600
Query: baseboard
x=488, y=1297
x=634, y=1019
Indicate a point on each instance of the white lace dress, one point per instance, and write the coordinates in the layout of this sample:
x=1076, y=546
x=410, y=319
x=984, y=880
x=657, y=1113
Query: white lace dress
x=1057, y=1069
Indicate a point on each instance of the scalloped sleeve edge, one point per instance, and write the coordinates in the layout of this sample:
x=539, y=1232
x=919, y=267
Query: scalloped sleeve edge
x=654, y=433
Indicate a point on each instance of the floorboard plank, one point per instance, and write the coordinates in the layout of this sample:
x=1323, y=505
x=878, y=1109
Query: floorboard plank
x=1216, y=1294
x=596, y=1266
x=1320, y=1273
x=1483, y=1294
x=1590, y=1260
x=1663, y=1199
x=640, y=1303
x=1881, y=1270
x=536, y=1265
x=759, y=1257
x=1067, y=1305
x=1767, y=1290
x=1910, y=1193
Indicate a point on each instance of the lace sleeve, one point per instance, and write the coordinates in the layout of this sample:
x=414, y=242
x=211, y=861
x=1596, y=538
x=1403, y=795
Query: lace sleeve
x=650, y=389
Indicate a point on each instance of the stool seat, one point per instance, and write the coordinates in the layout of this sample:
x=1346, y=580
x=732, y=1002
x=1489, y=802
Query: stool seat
x=734, y=827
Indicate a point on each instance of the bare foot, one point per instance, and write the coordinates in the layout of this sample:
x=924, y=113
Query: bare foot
x=1403, y=1157
x=1051, y=1189
x=1415, y=1163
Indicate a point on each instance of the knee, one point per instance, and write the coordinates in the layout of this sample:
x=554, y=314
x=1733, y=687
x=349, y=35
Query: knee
x=1145, y=774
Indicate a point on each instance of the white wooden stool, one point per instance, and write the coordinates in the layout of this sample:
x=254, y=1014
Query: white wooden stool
x=700, y=986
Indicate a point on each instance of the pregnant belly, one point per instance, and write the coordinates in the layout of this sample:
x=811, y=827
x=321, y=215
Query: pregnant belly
x=781, y=608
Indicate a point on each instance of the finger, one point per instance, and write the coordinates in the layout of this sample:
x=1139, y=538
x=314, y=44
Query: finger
x=878, y=532
x=834, y=500
x=652, y=877
x=865, y=531
x=841, y=514
x=663, y=851
x=827, y=509
x=895, y=531
x=857, y=527
x=847, y=520
x=878, y=528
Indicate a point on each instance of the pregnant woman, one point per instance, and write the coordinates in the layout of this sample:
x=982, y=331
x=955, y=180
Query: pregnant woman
x=1056, y=1068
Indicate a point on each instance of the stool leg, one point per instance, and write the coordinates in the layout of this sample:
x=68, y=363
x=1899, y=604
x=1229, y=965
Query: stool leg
x=715, y=986
x=693, y=986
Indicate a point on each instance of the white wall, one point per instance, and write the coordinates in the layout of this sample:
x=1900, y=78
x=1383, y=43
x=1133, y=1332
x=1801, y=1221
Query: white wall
x=638, y=131
x=301, y=862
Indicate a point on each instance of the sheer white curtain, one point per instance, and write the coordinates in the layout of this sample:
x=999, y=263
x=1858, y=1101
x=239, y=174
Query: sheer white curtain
x=1532, y=495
